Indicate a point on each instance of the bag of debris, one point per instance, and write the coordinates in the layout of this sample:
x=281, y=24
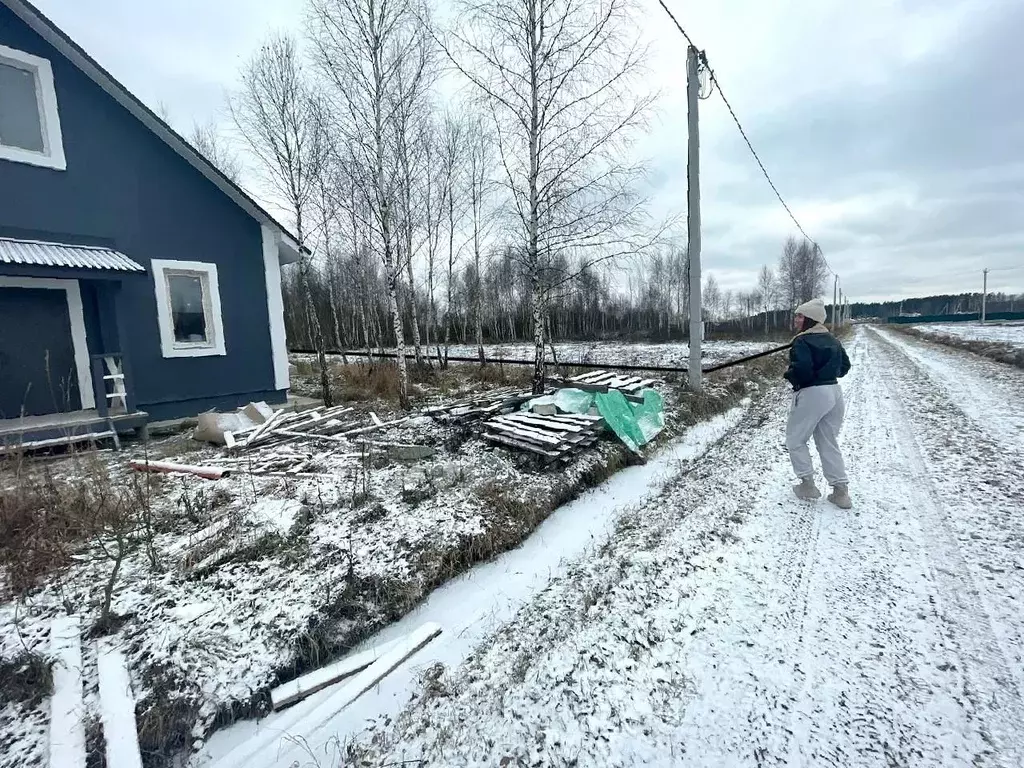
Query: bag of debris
x=566, y=400
x=212, y=426
x=571, y=400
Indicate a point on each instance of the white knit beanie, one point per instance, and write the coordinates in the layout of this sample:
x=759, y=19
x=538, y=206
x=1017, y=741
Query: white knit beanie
x=814, y=309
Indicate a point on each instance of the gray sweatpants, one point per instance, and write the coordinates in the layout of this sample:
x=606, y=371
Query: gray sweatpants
x=817, y=412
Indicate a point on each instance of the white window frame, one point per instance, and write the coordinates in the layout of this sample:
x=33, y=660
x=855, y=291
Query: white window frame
x=211, y=309
x=52, y=155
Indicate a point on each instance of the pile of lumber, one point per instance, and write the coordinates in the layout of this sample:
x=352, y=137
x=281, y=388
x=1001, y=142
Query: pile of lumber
x=322, y=425
x=479, y=406
x=602, y=381
x=556, y=438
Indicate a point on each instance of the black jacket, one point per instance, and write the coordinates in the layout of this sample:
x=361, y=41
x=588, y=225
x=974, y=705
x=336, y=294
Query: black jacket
x=816, y=359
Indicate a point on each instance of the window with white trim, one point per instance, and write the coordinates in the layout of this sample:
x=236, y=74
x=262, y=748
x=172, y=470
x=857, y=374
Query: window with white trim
x=188, y=308
x=29, y=120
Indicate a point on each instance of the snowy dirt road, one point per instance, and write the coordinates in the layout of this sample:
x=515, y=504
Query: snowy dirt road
x=726, y=624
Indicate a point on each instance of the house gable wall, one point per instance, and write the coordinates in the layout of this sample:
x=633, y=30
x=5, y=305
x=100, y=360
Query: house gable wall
x=124, y=187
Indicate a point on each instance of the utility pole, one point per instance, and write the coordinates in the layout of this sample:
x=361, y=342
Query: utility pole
x=693, y=214
x=835, y=302
x=984, y=293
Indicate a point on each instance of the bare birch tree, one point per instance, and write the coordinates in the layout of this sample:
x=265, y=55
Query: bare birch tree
x=559, y=78
x=282, y=122
x=767, y=289
x=209, y=142
x=452, y=159
x=802, y=272
x=373, y=55
x=479, y=168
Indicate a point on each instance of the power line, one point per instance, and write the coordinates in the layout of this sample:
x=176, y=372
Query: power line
x=676, y=22
x=746, y=138
x=764, y=170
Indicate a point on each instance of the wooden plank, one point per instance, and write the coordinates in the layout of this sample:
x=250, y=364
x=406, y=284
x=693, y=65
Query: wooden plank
x=309, y=436
x=67, y=709
x=520, y=445
x=34, y=445
x=373, y=427
x=308, y=684
x=117, y=707
x=229, y=440
x=370, y=676
x=525, y=432
x=601, y=377
x=590, y=377
x=581, y=418
x=550, y=422
x=256, y=433
x=311, y=716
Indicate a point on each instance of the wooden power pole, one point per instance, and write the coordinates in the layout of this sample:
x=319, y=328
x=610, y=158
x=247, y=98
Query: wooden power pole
x=693, y=214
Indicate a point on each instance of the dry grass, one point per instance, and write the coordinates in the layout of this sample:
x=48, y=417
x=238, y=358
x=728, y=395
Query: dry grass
x=44, y=521
x=379, y=381
x=27, y=679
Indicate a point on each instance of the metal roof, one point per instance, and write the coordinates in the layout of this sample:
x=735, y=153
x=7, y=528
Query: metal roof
x=60, y=255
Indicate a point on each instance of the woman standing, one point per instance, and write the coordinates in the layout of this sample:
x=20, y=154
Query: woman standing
x=816, y=363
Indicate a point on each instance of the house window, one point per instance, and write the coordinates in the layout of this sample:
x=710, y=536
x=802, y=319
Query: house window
x=29, y=122
x=188, y=308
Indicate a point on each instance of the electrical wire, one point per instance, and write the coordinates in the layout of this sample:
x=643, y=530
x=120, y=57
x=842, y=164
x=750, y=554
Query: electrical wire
x=715, y=84
x=764, y=170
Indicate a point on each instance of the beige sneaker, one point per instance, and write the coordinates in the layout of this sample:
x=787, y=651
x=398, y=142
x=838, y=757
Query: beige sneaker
x=840, y=496
x=807, y=490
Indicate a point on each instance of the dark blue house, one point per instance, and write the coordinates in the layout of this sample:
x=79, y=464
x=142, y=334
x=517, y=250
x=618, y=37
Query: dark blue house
x=136, y=280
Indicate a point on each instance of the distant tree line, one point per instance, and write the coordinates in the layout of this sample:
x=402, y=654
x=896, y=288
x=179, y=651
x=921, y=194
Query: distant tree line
x=943, y=304
x=646, y=299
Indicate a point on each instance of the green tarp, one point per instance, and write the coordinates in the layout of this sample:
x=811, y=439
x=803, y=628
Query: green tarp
x=635, y=424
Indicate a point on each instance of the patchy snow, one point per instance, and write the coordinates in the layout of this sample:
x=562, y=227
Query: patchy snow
x=248, y=590
x=473, y=605
x=279, y=516
x=726, y=624
x=1003, y=333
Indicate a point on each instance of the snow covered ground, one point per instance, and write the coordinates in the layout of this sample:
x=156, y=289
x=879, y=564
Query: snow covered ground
x=1003, y=333
x=719, y=622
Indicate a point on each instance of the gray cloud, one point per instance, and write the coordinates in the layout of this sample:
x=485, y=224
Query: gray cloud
x=895, y=130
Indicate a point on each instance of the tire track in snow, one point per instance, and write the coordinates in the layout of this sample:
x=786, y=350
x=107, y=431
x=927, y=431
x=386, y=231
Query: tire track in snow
x=992, y=678
x=881, y=686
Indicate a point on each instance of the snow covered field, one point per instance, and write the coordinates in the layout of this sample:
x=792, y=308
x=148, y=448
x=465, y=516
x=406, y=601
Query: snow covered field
x=1002, y=333
x=724, y=623
x=624, y=353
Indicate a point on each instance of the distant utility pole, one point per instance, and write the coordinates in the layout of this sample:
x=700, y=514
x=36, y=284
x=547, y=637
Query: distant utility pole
x=984, y=293
x=835, y=302
x=693, y=214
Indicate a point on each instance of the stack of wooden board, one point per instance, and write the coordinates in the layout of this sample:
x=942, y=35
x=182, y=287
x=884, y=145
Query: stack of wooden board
x=554, y=437
x=602, y=381
x=479, y=406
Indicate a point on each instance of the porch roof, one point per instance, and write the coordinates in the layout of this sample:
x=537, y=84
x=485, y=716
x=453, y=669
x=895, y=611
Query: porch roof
x=60, y=255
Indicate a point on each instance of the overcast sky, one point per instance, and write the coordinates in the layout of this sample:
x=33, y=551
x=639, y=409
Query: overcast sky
x=894, y=128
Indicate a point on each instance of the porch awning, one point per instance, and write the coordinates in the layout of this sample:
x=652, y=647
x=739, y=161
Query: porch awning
x=37, y=253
